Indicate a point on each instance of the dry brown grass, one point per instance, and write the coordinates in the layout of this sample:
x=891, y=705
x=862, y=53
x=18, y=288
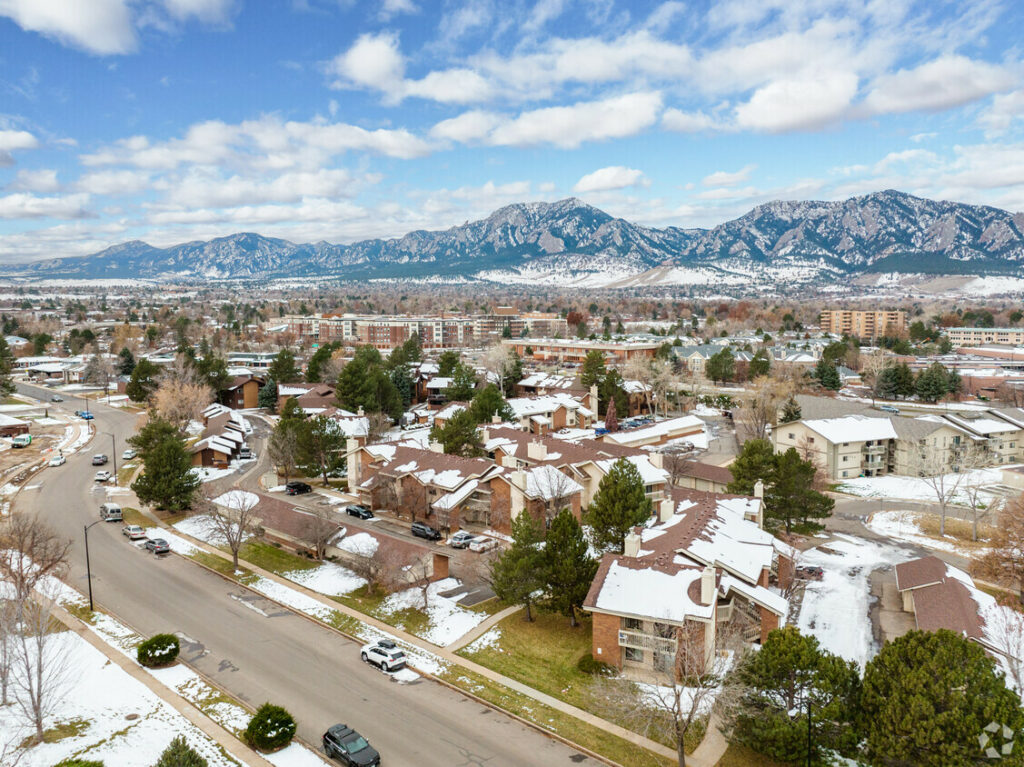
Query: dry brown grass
x=958, y=529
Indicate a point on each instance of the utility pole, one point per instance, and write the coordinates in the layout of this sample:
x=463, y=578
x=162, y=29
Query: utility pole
x=88, y=568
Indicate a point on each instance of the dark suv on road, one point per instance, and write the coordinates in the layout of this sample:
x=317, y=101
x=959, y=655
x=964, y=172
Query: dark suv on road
x=346, y=745
x=356, y=510
x=297, y=488
x=422, y=530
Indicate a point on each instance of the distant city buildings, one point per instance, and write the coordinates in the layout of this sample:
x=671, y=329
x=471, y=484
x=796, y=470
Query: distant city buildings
x=999, y=336
x=435, y=332
x=862, y=324
x=575, y=349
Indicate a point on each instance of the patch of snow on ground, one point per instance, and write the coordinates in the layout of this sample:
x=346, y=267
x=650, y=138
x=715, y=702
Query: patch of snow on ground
x=202, y=527
x=294, y=756
x=917, y=489
x=178, y=544
x=329, y=579
x=835, y=609
x=487, y=640
x=208, y=474
x=448, y=620
x=102, y=694
x=277, y=489
x=362, y=544
x=903, y=526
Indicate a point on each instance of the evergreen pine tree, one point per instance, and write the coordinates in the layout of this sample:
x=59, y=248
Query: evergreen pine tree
x=756, y=461
x=791, y=411
x=593, y=370
x=267, y=396
x=126, y=362
x=403, y=383
x=612, y=388
x=180, y=754
x=459, y=436
x=904, y=380
x=519, y=572
x=791, y=499
x=168, y=481
x=760, y=365
x=446, y=363
x=721, y=366
x=926, y=698
x=143, y=381
x=6, y=366
x=932, y=383
x=283, y=369
x=618, y=505
x=826, y=374
x=568, y=565
x=463, y=384
x=487, y=403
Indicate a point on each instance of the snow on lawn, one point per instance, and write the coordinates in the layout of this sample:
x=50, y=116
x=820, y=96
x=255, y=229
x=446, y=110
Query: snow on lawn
x=329, y=579
x=202, y=527
x=448, y=620
x=917, y=489
x=363, y=544
x=208, y=474
x=294, y=756
x=488, y=640
x=178, y=544
x=903, y=526
x=277, y=489
x=835, y=609
x=102, y=695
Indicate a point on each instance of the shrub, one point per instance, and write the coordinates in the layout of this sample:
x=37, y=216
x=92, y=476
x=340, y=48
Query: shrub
x=79, y=763
x=271, y=728
x=590, y=665
x=180, y=754
x=159, y=650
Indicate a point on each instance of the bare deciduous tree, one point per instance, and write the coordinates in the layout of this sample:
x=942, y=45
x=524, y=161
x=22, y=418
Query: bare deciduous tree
x=383, y=569
x=760, y=410
x=500, y=361
x=378, y=424
x=283, y=448
x=1003, y=562
x=945, y=477
x=232, y=519
x=179, y=402
x=1004, y=627
x=554, y=488
x=318, y=530
x=30, y=552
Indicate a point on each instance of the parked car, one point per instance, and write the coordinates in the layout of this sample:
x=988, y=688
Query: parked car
x=358, y=510
x=346, y=745
x=384, y=654
x=103, y=476
x=58, y=460
x=56, y=398
x=481, y=545
x=297, y=488
x=85, y=415
x=22, y=440
x=461, y=539
x=134, y=532
x=128, y=454
x=423, y=530
x=889, y=409
x=99, y=459
x=245, y=453
x=157, y=545
x=110, y=512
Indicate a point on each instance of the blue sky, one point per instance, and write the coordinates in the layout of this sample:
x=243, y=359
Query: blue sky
x=171, y=120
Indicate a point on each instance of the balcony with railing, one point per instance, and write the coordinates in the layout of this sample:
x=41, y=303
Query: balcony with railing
x=643, y=641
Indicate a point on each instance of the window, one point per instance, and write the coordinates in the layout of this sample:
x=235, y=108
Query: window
x=810, y=440
x=632, y=624
x=634, y=654
x=665, y=630
x=845, y=457
x=792, y=435
x=846, y=444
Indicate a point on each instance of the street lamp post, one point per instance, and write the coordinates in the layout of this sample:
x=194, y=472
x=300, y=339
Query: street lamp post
x=88, y=568
x=113, y=453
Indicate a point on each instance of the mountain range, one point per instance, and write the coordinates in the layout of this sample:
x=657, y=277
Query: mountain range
x=572, y=243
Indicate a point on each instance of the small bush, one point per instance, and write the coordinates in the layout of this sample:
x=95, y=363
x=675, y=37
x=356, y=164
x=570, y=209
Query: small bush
x=79, y=763
x=159, y=650
x=271, y=728
x=180, y=754
x=589, y=665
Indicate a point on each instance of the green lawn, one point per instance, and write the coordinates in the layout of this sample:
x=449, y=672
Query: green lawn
x=741, y=756
x=542, y=654
x=274, y=559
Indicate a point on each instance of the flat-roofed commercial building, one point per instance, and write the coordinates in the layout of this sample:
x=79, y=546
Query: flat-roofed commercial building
x=999, y=336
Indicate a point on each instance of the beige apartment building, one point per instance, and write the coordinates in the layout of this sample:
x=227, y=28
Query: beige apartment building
x=972, y=336
x=845, y=447
x=862, y=324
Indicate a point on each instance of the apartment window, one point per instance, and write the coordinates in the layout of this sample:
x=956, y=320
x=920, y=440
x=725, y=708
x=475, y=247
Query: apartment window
x=846, y=444
x=635, y=655
x=810, y=440
x=792, y=435
x=632, y=624
x=844, y=473
x=665, y=630
x=844, y=458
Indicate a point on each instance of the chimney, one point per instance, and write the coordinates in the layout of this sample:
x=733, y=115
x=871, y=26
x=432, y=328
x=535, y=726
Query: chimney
x=536, y=451
x=354, y=464
x=657, y=460
x=519, y=479
x=485, y=436
x=707, y=585
x=435, y=447
x=665, y=509
x=509, y=461
x=360, y=411
x=631, y=544
x=496, y=418
x=759, y=489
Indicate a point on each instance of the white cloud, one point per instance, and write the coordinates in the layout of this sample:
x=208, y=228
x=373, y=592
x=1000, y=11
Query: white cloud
x=1004, y=110
x=802, y=104
x=612, y=177
x=467, y=127
x=450, y=86
x=22, y=205
x=11, y=140
x=917, y=138
x=206, y=11
x=42, y=180
x=570, y=126
x=373, y=61
x=690, y=122
x=113, y=182
x=543, y=12
x=392, y=8
x=726, y=178
x=204, y=189
x=96, y=26
x=943, y=83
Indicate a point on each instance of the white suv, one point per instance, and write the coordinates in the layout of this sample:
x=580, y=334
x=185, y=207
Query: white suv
x=384, y=654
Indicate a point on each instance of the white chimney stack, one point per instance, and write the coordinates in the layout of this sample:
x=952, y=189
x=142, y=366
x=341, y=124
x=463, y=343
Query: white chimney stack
x=435, y=447
x=536, y=451
x=657, y=460
x=631, y=544
x=707, y=585
x=666, y=509
x=759, y=489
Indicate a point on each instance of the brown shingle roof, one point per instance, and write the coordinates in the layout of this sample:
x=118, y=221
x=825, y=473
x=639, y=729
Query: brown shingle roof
x=920, y=572
x=947, y=605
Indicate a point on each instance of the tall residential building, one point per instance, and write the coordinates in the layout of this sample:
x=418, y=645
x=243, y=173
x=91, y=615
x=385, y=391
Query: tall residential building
x=862, y=323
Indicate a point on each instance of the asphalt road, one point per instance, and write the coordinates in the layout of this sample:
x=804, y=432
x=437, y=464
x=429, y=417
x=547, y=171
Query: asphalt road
x=259, y=651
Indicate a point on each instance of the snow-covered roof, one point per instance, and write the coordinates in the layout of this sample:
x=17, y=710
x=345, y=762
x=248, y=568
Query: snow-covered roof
x=548, y=483
x=457, y=496
x=673, y=427
x=546, y=381
x=759, y=595
x=649, y=473
x=983, y=426
x=524, y=407
x=659, y=593
x=852, y=428
x=437, y=382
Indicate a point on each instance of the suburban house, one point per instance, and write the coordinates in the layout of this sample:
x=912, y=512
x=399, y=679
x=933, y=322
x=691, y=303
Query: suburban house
x=221, y=439
x=700, y=567
x=552, y=412
x=848, y=446
x=696, y=475
x=309, y=396
x=548, y=383
x=243, y=392
x=11, y=426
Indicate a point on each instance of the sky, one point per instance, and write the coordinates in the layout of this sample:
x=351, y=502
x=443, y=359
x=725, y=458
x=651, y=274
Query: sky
x=341, y=120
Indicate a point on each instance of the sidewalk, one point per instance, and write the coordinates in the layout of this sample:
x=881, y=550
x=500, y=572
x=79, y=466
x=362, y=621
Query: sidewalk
x=443, y=653
x=483, y=628
x=218, y=734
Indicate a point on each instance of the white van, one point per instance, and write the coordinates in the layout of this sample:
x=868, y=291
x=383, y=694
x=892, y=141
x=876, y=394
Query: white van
x=110, y=512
